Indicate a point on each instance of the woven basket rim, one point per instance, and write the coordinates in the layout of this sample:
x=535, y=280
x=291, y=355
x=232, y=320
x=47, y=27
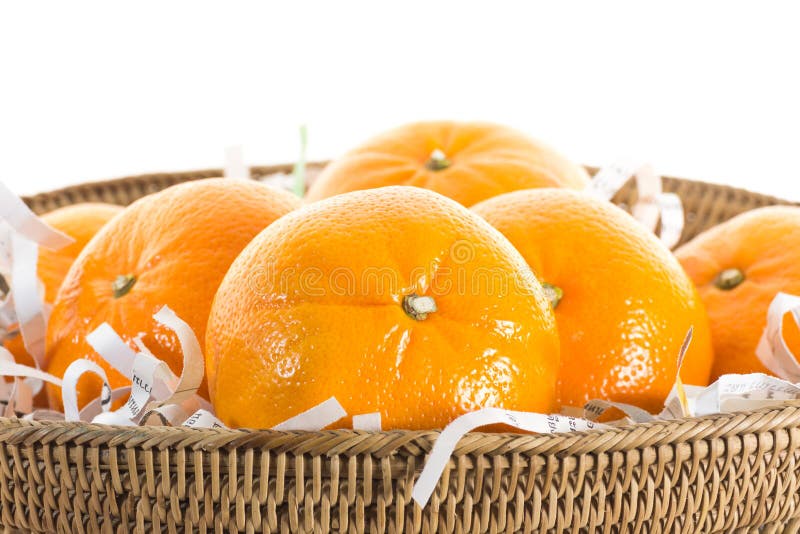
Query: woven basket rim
x=14, y=431
x=265, y=170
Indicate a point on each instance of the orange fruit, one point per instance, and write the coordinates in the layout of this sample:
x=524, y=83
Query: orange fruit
x=171, y=248
x=738, y=267
x=465, y=161
x=622, y=302
x=79, y=221
x=394, y=300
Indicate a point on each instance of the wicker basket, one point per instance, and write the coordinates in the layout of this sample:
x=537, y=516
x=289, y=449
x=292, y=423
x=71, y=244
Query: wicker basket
x=710, y=474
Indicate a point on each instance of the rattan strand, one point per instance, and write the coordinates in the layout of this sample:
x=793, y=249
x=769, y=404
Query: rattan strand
x=727, y=473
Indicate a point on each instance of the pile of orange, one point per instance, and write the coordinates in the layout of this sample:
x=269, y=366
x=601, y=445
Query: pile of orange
x=437, y=269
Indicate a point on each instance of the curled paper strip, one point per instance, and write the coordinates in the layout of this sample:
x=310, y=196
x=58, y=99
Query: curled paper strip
x=679, y=388
x=368, y=421
x=166, y=415
x=23, y=308
x=672, y=218
x=147, y=371
x=107, y=343
x=69, y=387
x=27, y=296
x=597, y=407
x=187, y=384
x=156, y=393
x=97, y=406
x=10, y=368
x=653, y=204
x=203, y=419
x=448, y=439
x=175, y=414
x=316, y=418
x=234, y=163
x=772, y=349
x=674, y=408
x=18, y=395
x=732, y=393
x=25, y=223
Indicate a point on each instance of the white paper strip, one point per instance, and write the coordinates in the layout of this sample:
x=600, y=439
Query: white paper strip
x=175, y=414
x=69, y=387
x=652, y=203
x=316, y=418
x=147, y=370
x=450, y=436
x=166, y=415
x=368, y=421
x=203, y=419
x=18, y=370
x=597, y=407
x=772, y=349
x=157, y=396
x=673, y=406
x=107, y=343
x=17, y=396
x=23, y=310
x=234, y=163
x=732, y=393
x=648, y=188
x=672, y=218
x=28, y=300
x=9, y=405
x=22, y=399
x=680, y=389
x=191, y=377
x=610, y=179
x=95, y=407
x=24, y=222
x=112, y=418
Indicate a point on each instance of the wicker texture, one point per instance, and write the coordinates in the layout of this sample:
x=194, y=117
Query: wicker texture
x=725, y=473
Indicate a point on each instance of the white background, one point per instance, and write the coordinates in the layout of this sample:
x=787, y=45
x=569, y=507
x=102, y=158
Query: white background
x=98, y=90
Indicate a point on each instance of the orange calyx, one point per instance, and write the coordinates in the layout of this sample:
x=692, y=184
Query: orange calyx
x=438, y=161
x=553, y=293
x=122, y=285
x=418, y=307
x=729, y=279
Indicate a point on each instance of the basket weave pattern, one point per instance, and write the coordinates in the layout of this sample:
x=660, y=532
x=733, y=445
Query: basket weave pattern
x=713, y=474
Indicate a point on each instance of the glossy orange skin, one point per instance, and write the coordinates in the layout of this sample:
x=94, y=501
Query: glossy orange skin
x=178, y=243
x=486, y=160
x=762, y=243
x=627, y=304
x=79, y=221
x=300, y=317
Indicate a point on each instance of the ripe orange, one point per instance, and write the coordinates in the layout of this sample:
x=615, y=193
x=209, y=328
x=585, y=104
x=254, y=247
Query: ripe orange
x=622, y=302
x=467, y=162
x=170, y=248
x=79, y=221
x=395, y=300
x=738, y=267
